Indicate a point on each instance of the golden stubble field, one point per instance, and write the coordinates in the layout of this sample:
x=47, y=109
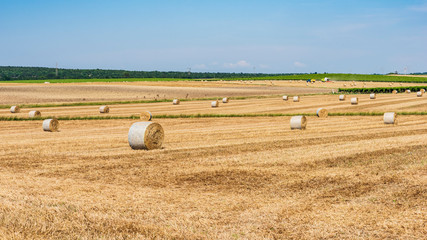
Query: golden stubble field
x=219, y=178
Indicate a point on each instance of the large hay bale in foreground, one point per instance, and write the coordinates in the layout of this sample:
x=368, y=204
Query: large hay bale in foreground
x=390, y=118
x=373, y=96
x=50, y=125
x=225, y=100
x=298, y=122
x=175, y=101
x=419, y=94
x=296, y=99
x=354, y=101
x=146, y=116
x=322, y=113
x=34, y=113
x=15, y=109
x=104, y=109
x=145, y=135
x=214, y=104
x=342, y=97
x=285, y=98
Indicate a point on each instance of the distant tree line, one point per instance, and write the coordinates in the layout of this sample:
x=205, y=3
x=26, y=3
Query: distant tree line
x=40, y=73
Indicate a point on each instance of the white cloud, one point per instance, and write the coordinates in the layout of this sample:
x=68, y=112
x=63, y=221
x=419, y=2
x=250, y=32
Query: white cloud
x=241, y=63
x=299, y=64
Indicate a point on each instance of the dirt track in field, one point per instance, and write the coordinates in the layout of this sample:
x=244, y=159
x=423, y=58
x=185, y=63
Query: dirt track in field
x=249, y=178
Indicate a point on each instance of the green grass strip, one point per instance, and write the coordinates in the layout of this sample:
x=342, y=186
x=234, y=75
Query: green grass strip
x=165, y=116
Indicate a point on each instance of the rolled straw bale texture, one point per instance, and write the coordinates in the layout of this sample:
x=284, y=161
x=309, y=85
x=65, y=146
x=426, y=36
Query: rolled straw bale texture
x=225, y=100
x=34, y=113
x=104, y=109
x=146, y=116
x=50, y=125
x=175, y=102
x=423, y=90
x=390, y=118
x=285, y=98
x=408, y=91
x=342, y=97
x=419, y=94
x=15, y=109
x=298, y=122
x=394, y=91
x=214, y=104
x=322, y=113
x=296, y=98
x=145, y=135
x=354, y=101
x=372, y=96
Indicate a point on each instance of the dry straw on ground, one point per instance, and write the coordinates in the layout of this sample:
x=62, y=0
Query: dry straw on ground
x=34, y=113
x=296, y=99
x=50, y=125
x=15, y=109
x=104, y=109
x=146, y=116
x=322, y=113
x=145, y=135
x=298, y=122
x=390, y=118
x=354, y=101
x=214, y=104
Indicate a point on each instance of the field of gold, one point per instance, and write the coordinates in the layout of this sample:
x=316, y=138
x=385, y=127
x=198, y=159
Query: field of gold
x=308, y=104
x=217, y=178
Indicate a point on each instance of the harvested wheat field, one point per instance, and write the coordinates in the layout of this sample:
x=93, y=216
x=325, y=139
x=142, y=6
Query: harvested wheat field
x=216, y=178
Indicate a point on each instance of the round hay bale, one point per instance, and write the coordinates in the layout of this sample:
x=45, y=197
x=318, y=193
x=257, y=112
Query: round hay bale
x=146, y=116
x=372, y=96
x=390, y=118
x=298, y=122
x=35, y=113
x=15, y=109
x=214, y=104
x=296, y=99
x=423, y=90
x=50, y=125
x=285, y=98
x=175, y=101
x=394, y=92
x=345, y=85
x=104, y=109
x=419, y=94
x=322, y=113
x=408, y=91
x=354, y=101
x=225, y=100
x=145, y=135
x=342, y=97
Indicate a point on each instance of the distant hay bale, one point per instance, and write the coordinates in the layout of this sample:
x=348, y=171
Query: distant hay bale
x=298, y=122
x=33, y=114
x=50, y=125
x=390, y=118
x=296, y=99
x=423, y=90
x=394, y=92
x=354, y=101
x=145, y=135
x=214, y=104
x=225, y=100
x=408, y=91
x=146, y=116
x=372, y=96
x=175, y=101
x=419, y=94
x=104, y=109
x=322, y=113
x=345, y=85
x=342, y=97
x=15, y=109
x=285, y=98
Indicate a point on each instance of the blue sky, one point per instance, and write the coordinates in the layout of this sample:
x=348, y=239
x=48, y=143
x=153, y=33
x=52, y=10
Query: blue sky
x=217, y=36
